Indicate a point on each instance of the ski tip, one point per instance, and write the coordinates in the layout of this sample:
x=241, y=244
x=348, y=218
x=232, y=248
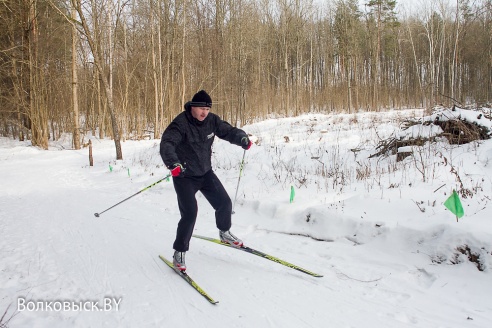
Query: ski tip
x=312, y=274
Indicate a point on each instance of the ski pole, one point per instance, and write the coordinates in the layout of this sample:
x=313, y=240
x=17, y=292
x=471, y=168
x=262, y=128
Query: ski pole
x=238, y=180
x=124, y=200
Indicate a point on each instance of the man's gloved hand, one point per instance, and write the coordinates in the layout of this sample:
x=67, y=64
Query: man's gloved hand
x=177, y=170
x=246, y=143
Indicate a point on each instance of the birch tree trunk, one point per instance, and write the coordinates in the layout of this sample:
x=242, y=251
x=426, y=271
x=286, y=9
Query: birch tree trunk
x=106, y=79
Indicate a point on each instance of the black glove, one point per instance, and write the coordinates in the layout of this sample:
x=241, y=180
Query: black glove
x=246, y=143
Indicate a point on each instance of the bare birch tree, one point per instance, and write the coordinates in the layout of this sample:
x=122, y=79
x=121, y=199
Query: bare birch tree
x=92, y=26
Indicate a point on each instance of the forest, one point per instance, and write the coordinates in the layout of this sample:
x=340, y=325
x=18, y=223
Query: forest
x=122, y=69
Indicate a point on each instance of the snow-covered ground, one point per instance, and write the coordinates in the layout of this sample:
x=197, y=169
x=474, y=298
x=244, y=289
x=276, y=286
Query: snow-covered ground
x=376, y=229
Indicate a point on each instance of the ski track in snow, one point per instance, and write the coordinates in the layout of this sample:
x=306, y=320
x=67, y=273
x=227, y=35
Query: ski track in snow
x=54, y=249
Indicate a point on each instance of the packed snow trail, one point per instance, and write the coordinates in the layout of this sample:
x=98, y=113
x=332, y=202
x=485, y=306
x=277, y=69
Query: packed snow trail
x=54, y=249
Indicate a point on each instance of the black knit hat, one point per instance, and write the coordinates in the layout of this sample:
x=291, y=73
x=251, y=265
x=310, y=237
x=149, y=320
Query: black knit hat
x=201, y=99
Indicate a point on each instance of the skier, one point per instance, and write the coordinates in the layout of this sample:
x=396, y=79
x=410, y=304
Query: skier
x=186, y=149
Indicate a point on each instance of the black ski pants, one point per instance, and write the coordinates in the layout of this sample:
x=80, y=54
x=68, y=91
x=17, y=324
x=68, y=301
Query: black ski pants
x=213, y=190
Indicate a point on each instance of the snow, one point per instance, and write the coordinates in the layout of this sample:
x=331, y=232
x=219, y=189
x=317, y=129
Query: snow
x=375, y=228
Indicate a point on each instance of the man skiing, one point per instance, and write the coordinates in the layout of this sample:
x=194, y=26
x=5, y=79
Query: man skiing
x=186, y=149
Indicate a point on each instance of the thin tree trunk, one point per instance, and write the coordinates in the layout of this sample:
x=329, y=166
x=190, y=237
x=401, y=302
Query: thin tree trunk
x=183, y=59
x=154, y=73
x=75, y=94
x=106, y=80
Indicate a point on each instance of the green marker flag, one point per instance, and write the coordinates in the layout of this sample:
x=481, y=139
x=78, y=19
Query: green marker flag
x=292, y=193
x=453, y=204
x=128, y=172
x=110, y=168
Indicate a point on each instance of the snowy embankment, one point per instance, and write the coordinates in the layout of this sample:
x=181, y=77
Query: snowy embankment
x=391, y=254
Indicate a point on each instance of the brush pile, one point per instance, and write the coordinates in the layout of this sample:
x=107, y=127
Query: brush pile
x=459, y=126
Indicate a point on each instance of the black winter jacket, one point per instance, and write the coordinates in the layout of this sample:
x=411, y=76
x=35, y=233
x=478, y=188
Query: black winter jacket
x=189, y=142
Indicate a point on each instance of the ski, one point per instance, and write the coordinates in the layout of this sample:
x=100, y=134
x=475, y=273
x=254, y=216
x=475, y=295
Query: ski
x=261, y=254
x=190, y=281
